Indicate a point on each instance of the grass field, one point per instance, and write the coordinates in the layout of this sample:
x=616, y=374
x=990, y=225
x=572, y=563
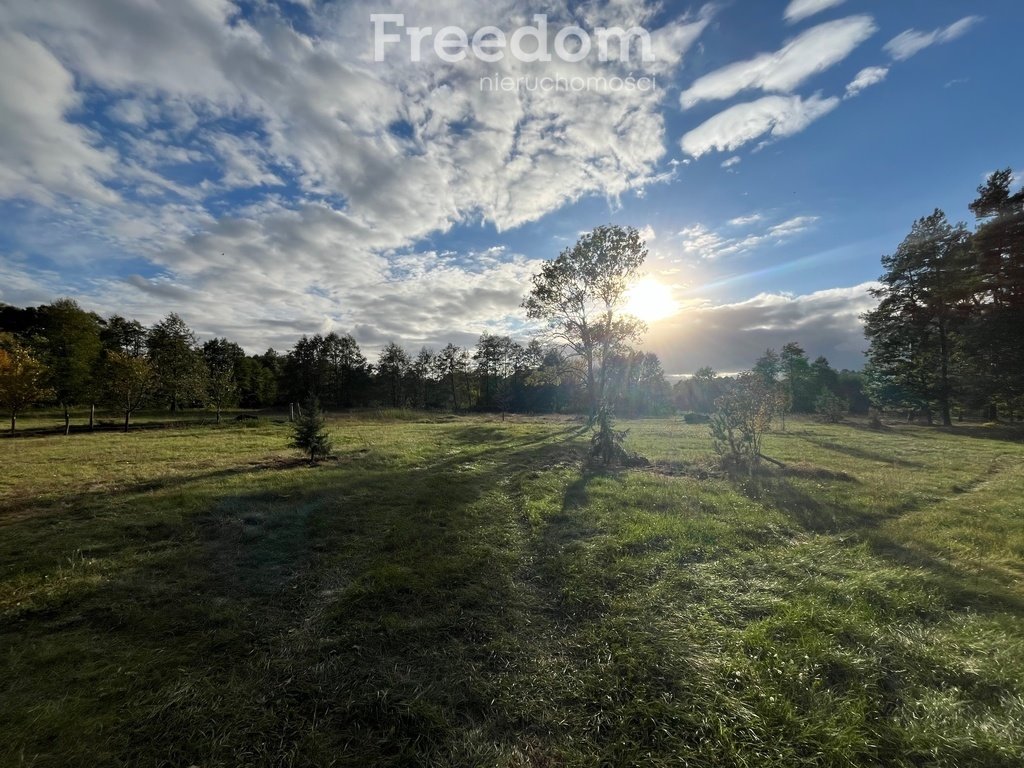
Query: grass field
x=463, y=591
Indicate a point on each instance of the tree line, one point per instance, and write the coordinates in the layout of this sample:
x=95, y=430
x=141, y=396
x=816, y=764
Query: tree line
x=946, y=335
x=60, y=354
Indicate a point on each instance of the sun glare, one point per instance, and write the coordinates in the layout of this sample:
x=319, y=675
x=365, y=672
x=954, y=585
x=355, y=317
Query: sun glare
x=650, y=300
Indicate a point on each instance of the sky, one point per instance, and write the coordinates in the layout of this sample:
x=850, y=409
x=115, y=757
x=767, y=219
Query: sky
x=264, y=170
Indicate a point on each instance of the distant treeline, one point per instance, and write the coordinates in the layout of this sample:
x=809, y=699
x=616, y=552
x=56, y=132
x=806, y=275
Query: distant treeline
x=60, y=354
x=72, y=358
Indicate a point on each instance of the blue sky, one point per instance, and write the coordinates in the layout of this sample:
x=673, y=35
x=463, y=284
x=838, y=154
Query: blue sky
x=250, y=166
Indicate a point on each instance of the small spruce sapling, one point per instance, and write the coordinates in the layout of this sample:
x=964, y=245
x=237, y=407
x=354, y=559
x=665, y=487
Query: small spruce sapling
x=310, y=432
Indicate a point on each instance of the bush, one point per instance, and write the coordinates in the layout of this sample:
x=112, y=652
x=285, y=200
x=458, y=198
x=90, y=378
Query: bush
x=742, y=416
x=830, y=407
x=692, y=417
x=310, y=432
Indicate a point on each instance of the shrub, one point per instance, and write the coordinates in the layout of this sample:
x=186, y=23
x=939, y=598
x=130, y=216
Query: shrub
x=310, y=432
x=830, y=407
x=692, y=417
x=742, y=416
x=606, y=445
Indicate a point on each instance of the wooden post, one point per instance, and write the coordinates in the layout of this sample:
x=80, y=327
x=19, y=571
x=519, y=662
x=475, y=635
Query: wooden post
x=92, y=417
x=291, y=411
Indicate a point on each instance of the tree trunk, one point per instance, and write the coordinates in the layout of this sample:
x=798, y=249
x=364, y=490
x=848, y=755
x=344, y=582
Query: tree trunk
x=291, y=411
x=14, y=422
x=127, y=416
x=218, y=414
x=92, y=417
x=944, y=392
x=67, y=421
x=591, y=386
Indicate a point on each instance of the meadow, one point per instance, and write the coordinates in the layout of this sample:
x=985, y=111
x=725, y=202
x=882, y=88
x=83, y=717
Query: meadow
x=468, y=591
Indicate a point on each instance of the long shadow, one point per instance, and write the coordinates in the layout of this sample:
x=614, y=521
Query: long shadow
x=860, y=453
x=855, y=526
x=88, y=500
x=359, y=604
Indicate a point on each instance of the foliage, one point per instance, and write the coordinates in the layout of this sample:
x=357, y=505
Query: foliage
x=742, y=416
x=309, y=433
x=70, y=346
x=130, y=380
x=830, y=407
x=223, y=360
x=180, y=371
x=580, y=295
x=913, y=330
x=22, y=380
x=606, y=443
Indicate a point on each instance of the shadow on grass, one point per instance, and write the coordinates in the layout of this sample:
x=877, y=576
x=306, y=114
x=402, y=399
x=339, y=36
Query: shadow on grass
x=861, y=453
x=985, y=591
x=360, y=612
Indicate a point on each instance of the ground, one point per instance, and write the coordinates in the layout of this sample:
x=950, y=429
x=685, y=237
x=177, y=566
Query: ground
x=464, y=591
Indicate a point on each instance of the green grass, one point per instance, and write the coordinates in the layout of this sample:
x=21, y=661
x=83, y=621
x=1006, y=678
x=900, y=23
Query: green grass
x=464, y=591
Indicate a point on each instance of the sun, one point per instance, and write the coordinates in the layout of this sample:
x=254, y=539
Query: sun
x=650, y=300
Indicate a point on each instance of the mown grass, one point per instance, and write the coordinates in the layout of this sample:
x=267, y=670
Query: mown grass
x=465, y=591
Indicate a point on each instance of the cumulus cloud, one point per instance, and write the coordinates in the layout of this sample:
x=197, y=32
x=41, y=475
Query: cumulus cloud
x=772, y=116
x=865, y=79
x=42, y=154
x=913, y=41
x=813, y=51
x=798, y=10
x=271, y=173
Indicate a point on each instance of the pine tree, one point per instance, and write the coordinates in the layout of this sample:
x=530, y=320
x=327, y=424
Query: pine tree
x=310, y=431
x=914, y=331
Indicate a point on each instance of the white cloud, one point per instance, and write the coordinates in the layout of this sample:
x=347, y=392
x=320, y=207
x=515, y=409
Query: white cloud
x=798, y=10
x=372, y=157
x=865, y=79
x=707, y=244
x=811, y=52
x=911, y=42
x=42, y=155
x=732, y=161
x=776, y=116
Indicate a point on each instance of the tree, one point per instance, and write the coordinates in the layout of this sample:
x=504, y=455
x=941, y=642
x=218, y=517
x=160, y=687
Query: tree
x=179, y=368
x=22, y=380
x=913, y=331
x=223, y=361
x=797, y=377
x=70, y=346
x=992, y=345
x=310, y=432
x=580, y=295
x=130, y=380
x=393, y=367
x=345, y=369
x=126, y=336
x=452, y=363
